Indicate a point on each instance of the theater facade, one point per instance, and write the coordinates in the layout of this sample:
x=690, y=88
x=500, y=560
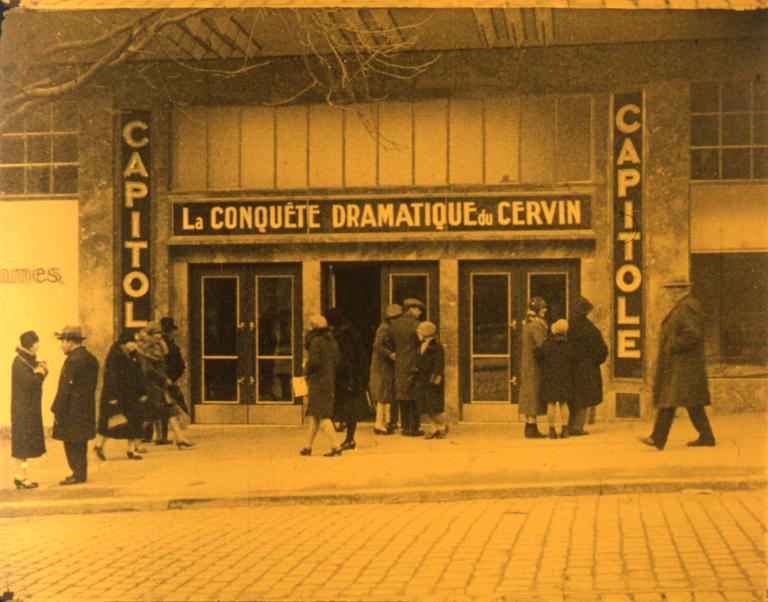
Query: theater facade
x=547, y=152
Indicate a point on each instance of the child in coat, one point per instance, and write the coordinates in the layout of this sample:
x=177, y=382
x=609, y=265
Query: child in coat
x=556, y=357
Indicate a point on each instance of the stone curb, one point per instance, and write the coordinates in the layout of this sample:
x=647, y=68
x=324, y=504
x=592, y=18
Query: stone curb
x=380, y=496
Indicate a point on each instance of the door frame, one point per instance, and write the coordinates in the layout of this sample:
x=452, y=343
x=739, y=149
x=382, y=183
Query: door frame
x=519, y=281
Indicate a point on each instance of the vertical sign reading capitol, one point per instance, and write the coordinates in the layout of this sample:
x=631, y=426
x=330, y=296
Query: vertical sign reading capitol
x=136, y=301
x=627, y=229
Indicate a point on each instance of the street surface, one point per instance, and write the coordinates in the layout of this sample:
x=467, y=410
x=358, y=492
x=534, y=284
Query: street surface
x=696, y=545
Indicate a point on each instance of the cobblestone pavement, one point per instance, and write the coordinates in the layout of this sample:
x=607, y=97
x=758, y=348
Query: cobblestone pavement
x=690, y=546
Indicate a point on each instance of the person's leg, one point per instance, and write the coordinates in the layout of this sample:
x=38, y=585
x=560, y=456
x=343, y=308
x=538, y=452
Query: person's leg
x=181, y=440
x=21, y=473
x=164, y=428
x=551, y=415
x=394, y=415
x=349, y=440
x=327, y=427
x=661, y=427
x=77, y=459
x=99, y=447
x=592, y=415
x=312, y=427
x=700, y=422
x=380, y=424
x=576, y=419
x=405, y=417
x=564, y=417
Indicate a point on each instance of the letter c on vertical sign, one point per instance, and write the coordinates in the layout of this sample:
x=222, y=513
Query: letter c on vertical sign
x=621, y=122
x=128, y=131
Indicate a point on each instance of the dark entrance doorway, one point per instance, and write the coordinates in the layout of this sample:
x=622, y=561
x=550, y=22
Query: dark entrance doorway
x=357, y=293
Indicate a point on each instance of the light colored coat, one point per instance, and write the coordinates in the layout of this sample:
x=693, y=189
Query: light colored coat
x=381, y=384
x=533, y=336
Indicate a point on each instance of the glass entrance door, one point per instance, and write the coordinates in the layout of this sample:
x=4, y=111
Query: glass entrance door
x=494, y=300
x=245, y=333
x=412, y=280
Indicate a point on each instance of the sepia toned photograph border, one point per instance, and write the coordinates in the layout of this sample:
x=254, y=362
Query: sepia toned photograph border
x=376, y=300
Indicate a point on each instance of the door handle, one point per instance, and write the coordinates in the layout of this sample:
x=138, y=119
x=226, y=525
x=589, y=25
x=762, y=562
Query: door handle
x=251, y=380
x=513, y=381
x=240, y=325
x=513, y=324
x=240, y=380
x=251, y=326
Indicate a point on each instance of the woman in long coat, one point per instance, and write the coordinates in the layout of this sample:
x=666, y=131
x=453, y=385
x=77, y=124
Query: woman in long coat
x=590, y=352
x=320, y=369
x=381, y=384
x=27, y=376
x=349, y=405
x=152, y=351
x=533, y=336
x=428, y=379
x=122, y=393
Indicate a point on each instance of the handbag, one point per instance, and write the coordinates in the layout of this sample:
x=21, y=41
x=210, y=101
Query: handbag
x=116, y=421
x=300, y=386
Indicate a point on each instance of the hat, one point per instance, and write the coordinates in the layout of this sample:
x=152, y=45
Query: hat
x=29, y=338
x=560, y=327
x=412, y=303
x=392, y=311
x=426, y=329
x=537, y=303
x=168, y=324
x=582, y=306
x=70, y=333
x=317, y=321
x=678, y=282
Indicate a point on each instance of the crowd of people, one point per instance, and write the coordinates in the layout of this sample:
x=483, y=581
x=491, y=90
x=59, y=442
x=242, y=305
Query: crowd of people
x=404, y=382
x=139, y=398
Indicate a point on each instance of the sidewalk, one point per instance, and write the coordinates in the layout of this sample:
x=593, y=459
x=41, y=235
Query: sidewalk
x=244, y=465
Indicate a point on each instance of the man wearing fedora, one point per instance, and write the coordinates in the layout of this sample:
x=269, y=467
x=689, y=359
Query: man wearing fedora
x=175, y=366
x=407, y=344
x=74, y=408
x=681, y=378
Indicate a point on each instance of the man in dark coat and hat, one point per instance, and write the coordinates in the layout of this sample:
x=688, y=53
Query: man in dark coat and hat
x=175, y=366
x=681, y=378
x=406, y=344
x=74, y=408
x=590, y=352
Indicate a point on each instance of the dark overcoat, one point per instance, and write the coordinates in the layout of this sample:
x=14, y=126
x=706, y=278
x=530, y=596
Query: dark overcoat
x=123, y=383
x=681, y=377
x=174, y=362
x=590, y=352
x=27, y=436
x=74, y=407
x=428, y=379
x=156, y=381
x=534, y=333
x=381, y=384
x=322, y=362
x=350, y=403
x=407, y=353
x=555, y=358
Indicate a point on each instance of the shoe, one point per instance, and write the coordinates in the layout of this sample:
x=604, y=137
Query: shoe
x=348, y=445
x=334, y=452
x=702, y=443
x=552, y=433
x=162, y=442
x=99, y=452
x=134, y=456
x=24, y=484
x=576, y=432
x=306, y=452
x=564, y=433
x=71, y=480
x=182, y=444
x=140, y=450
x=437, y=435
x=146, y=440
x=532, y=432
x=650, y=442
x=380, y=432
x=418, y=433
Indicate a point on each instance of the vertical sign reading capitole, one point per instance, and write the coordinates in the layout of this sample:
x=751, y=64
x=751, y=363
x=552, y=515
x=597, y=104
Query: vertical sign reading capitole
x=136, y=195
x=628, y=324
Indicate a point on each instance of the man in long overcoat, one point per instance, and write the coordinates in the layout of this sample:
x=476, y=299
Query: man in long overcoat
x=381, y=383
x=534, y=333
x=681, y=378
x=74, y=408
x=590, y=352
x=406, y=355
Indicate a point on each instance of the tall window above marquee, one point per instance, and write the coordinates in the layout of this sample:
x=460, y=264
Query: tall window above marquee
x=437, y=142
x=729, y=131
x=38, y=154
